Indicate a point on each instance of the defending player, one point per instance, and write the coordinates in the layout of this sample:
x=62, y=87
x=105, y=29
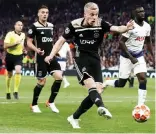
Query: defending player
x=132, y=57
x=14, y=45
x=88, y=33
x=40, y=39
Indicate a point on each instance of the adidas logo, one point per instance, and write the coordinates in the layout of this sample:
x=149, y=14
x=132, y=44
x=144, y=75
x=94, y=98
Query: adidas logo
x=42, y=32
x=97, y=99
x=80, y=35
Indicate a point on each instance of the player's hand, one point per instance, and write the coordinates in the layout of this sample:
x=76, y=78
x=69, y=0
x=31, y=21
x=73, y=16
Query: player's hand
x=40, y=52
x=48, y=59
x=134, y=60
x=25, y=51
x=130, y=25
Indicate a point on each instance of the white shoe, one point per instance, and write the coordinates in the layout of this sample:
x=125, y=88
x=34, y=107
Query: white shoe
x=35, y=109
x=73, y=122
x=52, y=107
x=66, y=85
x=104, y=85
x=102, y=111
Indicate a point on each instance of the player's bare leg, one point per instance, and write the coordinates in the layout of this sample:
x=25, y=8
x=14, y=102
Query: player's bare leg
x=99, y=87
x=17, y=80
x=8, y=83
x=54, y=91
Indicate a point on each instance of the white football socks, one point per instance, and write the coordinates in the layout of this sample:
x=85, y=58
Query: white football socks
x=65, y=80
x=110, y=83
x=141, y=96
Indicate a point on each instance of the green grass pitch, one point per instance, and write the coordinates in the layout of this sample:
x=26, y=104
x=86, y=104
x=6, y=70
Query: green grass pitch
x=16, y=117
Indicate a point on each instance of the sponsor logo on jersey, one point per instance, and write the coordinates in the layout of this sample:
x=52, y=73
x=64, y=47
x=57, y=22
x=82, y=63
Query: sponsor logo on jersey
x=87, y=41
x=139, y=38
x=46, y=39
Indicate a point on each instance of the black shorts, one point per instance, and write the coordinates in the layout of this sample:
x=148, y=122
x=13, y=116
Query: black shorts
x=42, y=68
x=88, y=67
x=13, y=60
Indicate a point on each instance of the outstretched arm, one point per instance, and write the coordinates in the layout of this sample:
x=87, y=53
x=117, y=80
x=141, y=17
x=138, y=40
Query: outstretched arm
x=122, y=29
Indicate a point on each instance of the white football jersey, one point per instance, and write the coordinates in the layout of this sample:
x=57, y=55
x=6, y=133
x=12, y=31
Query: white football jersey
x=136, y=37
x=63, y=51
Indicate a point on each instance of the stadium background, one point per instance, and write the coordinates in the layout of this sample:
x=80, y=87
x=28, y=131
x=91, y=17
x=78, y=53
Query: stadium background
x=117, y=12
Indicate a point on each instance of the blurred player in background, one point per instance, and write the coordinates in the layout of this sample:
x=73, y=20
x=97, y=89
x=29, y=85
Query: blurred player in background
x=14, y=45
x=132, y=56
x=88, y=33
x=62, y=60
x=40, y=40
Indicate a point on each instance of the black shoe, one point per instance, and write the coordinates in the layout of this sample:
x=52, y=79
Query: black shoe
x=15, y=95
x=8, y=96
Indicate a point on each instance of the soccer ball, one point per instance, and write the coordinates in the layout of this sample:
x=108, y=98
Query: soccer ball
x=141, y=113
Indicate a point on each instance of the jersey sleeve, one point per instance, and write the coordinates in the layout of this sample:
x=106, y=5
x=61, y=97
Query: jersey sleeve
x=69, y=32
x=7, y=38
x=127, y=34
x=105, y=25
x=149, y=31
x=31, y=32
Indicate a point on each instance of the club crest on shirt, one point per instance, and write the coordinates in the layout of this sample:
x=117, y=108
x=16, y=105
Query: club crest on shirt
x=96, y=35
x=30, y=31
x=67, y=30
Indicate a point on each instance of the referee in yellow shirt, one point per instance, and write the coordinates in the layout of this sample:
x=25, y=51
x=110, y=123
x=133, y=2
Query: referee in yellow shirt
x=14, y=44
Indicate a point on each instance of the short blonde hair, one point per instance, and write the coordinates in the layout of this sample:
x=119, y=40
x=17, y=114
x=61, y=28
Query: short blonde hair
x=91, y=5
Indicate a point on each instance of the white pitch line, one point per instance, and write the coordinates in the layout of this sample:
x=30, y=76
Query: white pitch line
x=67, y=102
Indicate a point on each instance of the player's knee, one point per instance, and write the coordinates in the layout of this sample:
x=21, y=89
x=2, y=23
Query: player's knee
x=143, y=80
x=90, y=83
x=42, y=81
x=99, y=87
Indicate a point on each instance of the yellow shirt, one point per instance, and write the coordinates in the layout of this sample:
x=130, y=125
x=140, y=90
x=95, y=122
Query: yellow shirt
x=11, y=38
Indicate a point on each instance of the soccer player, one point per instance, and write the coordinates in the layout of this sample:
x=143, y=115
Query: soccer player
x=132, y=43
x=40, y=40
x=88, y=32
x=62, y=59
x=14, y=45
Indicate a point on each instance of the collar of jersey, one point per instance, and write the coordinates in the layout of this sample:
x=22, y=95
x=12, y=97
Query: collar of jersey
x=17, y=33
x=42, y=24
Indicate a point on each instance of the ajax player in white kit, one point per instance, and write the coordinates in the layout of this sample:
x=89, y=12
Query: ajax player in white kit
x=132, y=56
x=62, y=60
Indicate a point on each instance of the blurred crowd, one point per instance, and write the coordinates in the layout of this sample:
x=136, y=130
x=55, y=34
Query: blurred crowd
x=63, y=11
